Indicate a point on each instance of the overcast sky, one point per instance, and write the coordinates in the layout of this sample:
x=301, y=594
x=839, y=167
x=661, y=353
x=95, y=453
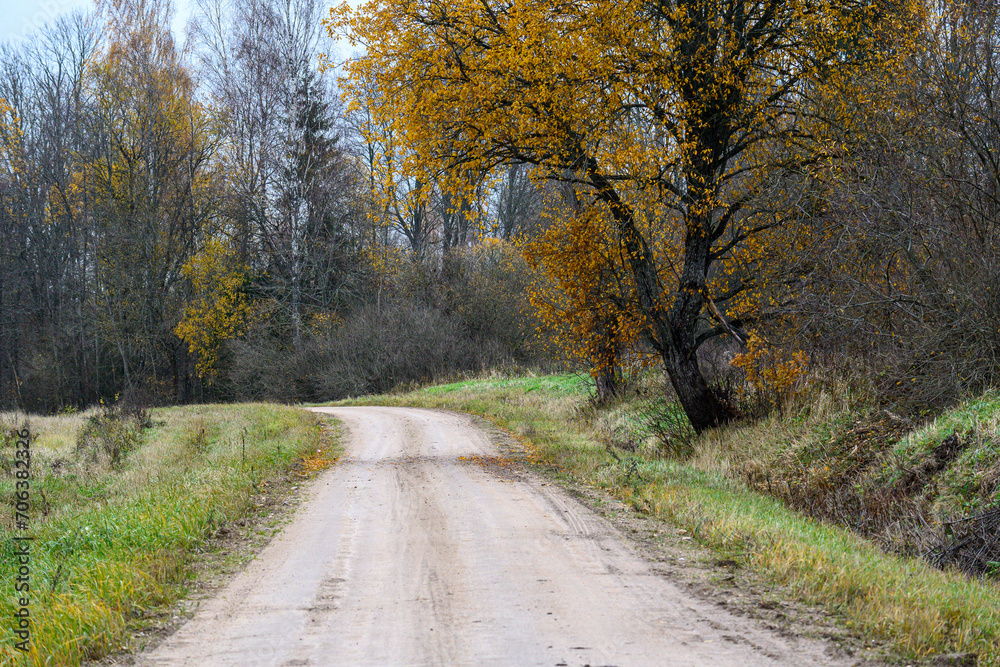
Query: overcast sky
x=19, y=18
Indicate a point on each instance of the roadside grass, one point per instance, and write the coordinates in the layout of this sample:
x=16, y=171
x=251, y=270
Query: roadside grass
x=971, y=482
x=112, y=543
x=931, y=489
x=919, y=611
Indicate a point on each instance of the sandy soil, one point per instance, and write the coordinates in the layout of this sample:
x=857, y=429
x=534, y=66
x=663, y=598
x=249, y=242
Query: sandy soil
x=418, y=548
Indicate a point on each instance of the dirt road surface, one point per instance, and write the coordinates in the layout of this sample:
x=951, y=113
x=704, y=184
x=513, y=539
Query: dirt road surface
x=413, y=550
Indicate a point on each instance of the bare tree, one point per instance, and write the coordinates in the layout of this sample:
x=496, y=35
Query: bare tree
x=51, y=353
x=285, y=208
x=517, y=203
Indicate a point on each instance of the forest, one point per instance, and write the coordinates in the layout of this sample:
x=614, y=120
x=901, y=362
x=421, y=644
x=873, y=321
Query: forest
x=213, y=224
x=739, y=193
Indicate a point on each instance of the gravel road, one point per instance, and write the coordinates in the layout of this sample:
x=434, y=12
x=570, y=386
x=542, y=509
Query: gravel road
x=415, y=550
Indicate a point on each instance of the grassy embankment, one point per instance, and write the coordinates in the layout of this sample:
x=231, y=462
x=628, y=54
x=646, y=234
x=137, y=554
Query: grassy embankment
x=918, y=610
x=114, y=531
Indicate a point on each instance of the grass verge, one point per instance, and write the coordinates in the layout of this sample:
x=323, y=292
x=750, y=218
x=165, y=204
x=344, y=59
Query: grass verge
x=113, y=539
x=919, y=611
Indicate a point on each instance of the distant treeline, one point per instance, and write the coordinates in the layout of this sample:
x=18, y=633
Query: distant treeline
x=214, y=225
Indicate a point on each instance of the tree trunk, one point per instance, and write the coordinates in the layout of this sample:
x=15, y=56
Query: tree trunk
x=605, y=367
x=607, y=382
x=673, y=331
x=702, y=404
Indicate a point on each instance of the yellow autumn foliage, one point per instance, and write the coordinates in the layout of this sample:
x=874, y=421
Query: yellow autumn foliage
x=220, y=309
x=769, y=369
x=579, y=294
x=625, y=95
x=690, y=128
x=11, y=142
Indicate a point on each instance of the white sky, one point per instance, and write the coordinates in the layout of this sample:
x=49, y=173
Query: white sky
x=19, y=18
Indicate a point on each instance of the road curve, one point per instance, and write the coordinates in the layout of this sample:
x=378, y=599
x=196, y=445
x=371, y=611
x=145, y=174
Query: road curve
x=409, y=552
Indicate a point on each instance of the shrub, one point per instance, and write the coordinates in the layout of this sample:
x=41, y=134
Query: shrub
x=111, y=434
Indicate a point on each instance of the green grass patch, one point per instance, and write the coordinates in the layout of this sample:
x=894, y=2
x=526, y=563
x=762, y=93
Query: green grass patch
x=113, y=540
x=568, y=384
x=919, y=611
x=970, y=482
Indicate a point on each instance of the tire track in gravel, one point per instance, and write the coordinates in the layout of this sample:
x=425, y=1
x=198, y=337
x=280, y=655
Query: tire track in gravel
x=408, y=552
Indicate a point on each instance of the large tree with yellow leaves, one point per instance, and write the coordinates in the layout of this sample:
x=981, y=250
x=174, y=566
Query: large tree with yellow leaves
x=676, y=117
